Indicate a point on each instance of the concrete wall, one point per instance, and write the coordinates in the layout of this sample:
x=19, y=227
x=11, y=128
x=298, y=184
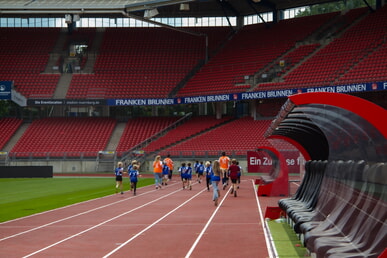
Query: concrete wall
x=89, y=166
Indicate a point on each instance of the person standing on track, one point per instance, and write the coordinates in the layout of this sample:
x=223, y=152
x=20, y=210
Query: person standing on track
x=215, y=179
x=133, y=175
x=170, y=164
x=208, y=172
x=157, y=170
x=118, y=173
x=224, y=162
x=233, y=171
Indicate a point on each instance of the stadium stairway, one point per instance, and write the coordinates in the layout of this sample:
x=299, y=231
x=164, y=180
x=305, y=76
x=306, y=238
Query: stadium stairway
x=154, y=147
x=15, y=137
x=115, y=137
x=63, y=86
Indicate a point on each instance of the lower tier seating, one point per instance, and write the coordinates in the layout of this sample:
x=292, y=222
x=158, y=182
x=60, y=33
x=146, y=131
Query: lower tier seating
x=65, y=137
x=8, y=128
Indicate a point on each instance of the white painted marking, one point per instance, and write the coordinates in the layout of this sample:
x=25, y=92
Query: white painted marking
x=70, y=217
x=206, y=226
x=100, y=224
x=269, y=244
x=154, y=223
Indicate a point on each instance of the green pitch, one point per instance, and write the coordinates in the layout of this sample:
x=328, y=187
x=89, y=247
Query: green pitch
x=285, y=240
x=21, y=197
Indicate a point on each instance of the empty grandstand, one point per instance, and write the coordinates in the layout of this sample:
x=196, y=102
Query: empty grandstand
x=87, y=85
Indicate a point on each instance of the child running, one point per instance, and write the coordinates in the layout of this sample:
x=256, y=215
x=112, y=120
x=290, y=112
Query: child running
x=208, y=172
x=133, y=175
x=189, y=175
x=239, y=174
x=233, y=171
x=118, y=172
x=157, y=171
x=215, y=181
x=200, y=171
x=182, y=171
x=165, y=174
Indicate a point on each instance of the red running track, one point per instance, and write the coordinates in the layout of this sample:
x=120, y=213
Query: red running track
x=169, y=222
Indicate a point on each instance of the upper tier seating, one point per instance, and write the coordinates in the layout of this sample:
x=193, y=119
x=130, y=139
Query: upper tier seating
x=193, y=126
x=24, y=55
x=371, y=69
x=139, y=129
x=248, y=51
x=65, y=137
x=8, y=128
x=142, y=63
x=337, y=62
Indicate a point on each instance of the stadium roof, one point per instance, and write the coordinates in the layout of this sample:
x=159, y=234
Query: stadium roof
x=166, y=8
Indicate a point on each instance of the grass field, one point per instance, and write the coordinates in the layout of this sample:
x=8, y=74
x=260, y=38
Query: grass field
x=285, y=240
x=21, y=197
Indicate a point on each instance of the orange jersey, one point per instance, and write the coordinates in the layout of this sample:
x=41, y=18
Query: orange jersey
x=157, y=167
x=224, y=162
x=169, y=163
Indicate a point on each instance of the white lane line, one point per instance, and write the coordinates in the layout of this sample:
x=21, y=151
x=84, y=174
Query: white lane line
x=154, y=223
x=73, y=216
x=100, y=224
x=269, y=243
x=206, y=226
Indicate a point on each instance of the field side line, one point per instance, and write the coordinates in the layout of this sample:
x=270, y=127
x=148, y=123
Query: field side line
x=206, y=226
x=100, y=224
x=154, y=223
x=269, y=244
x=73, y=216
x=60, y=208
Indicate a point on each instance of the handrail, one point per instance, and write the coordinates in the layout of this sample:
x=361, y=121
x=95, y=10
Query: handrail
x=144, y=143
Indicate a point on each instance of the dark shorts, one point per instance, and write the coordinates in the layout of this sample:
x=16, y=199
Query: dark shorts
x=187, y=177
x=119, y=178
x=234, y=180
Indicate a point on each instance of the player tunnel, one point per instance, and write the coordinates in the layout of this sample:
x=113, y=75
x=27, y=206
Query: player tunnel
x=332, y=126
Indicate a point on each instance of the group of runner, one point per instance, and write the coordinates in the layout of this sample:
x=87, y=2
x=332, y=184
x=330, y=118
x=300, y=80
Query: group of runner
x=223, y=169
x=133, y=173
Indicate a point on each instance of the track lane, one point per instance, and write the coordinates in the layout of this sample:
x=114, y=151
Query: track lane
x=169, y=226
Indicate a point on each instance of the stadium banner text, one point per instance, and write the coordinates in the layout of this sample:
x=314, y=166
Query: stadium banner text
x=284, y=93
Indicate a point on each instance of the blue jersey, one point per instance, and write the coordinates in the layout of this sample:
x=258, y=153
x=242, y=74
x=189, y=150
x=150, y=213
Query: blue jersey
x=133, y=174
x=209, y=172
x=182, y=170
x=196, y=165
x=118, y=171
x=188, y=172
x=165, y=170
x=200, y=169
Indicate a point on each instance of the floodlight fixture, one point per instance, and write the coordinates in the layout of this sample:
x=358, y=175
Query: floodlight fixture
x=149, y=13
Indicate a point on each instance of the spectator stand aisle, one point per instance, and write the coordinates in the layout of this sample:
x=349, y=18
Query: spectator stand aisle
x=340, y=208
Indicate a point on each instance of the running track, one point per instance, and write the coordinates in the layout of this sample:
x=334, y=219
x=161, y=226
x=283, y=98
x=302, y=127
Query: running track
x=169, y=222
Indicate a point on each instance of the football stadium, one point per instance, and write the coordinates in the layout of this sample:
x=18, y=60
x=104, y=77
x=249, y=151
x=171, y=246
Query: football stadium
x=202, y=128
